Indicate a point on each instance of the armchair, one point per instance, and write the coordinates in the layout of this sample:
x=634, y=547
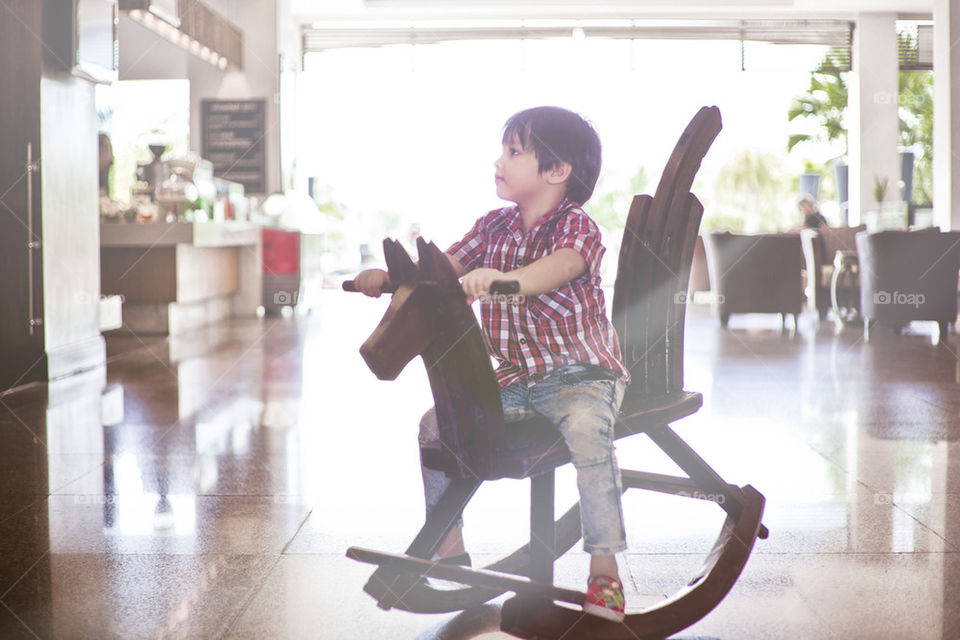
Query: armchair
x=755, y=273
x=909, y=275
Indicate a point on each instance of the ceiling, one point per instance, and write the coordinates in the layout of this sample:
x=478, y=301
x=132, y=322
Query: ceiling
x=308, y=11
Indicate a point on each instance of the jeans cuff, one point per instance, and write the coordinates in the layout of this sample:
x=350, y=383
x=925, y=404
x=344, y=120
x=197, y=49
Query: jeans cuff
x=607, y=550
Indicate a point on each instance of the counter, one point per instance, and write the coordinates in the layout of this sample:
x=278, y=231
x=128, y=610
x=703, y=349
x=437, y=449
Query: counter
x=174, y=277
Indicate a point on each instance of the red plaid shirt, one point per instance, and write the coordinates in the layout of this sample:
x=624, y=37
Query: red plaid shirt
x=533, y=337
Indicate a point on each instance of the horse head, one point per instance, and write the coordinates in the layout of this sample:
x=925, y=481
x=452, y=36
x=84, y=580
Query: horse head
x=415, y=317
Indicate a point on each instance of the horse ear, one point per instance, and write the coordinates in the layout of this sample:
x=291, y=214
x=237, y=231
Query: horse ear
x=426, y=265
x=444, y=270
x=434, y=264
x=399, y=265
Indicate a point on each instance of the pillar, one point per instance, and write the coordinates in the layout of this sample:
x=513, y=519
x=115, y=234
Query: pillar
x=946, y=115
x=874, y=122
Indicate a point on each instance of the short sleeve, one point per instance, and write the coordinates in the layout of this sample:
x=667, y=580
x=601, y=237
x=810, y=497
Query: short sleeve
x=579, y=232
x=469, y=249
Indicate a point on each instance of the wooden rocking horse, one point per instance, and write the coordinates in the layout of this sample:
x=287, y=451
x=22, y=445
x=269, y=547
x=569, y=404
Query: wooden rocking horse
x=428, y=316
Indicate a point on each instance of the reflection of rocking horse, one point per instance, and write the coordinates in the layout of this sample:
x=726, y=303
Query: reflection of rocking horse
x=428, y=316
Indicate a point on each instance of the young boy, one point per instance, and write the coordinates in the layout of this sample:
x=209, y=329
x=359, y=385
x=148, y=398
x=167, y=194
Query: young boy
x=559, y=355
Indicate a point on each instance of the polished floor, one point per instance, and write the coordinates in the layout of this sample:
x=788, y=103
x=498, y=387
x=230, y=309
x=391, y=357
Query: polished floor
x=208, y=487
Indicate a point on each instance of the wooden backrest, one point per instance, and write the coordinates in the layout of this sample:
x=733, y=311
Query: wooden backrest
x=653, y=275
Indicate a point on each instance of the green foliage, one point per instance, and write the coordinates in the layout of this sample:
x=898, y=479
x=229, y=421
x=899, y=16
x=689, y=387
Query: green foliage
x=825, y=102
x=826, y=99
x=828, y=179
x=610, y=206
x=750, y=193
x=879, y=188
x=333, y=209
x=916, y=129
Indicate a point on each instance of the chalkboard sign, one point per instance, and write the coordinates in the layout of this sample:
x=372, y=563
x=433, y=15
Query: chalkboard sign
x=233, y=140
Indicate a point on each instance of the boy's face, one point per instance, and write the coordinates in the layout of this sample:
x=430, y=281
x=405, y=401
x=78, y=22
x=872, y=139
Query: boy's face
x=518, y=172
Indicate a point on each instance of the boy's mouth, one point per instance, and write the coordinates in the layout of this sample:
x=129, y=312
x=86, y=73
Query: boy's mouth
x=497, y=178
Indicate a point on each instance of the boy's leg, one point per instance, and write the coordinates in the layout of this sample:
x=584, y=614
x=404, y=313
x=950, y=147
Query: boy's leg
x=514, y=398
x=434, y=484
x=585, y=412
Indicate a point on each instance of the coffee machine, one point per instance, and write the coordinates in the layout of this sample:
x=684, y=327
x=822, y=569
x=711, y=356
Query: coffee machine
x=152, y=173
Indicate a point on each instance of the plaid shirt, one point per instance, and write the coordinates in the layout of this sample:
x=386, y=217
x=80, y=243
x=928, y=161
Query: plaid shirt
x=535, y=336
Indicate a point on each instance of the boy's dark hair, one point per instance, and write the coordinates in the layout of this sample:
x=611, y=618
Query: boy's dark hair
x=557, y=135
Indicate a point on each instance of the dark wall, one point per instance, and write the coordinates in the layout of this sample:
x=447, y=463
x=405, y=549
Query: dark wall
x=22, y=356
x=45, y=106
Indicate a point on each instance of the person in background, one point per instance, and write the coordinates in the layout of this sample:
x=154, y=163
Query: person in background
x=106, y=161
x=810, y=210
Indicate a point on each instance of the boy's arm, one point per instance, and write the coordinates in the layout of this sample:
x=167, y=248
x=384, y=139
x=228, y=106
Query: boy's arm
x=369, y=281
x=540, y=276
x=459, y=268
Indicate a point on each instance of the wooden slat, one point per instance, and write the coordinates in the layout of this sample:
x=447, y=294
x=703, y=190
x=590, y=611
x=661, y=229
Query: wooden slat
x=464, y=575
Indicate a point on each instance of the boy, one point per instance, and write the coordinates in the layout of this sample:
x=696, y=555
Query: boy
x=559, y=355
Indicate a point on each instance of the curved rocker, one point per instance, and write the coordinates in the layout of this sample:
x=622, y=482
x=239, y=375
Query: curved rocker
x=428, y=316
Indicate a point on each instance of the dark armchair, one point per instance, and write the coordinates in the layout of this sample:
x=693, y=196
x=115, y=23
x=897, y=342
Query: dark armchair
x=909, y=275
x=755, y=273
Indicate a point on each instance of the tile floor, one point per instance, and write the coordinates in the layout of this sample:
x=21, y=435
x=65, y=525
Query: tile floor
x=208, y=487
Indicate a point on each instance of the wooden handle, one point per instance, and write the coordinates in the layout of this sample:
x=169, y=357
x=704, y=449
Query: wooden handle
x=350, y=285
x=503, y=287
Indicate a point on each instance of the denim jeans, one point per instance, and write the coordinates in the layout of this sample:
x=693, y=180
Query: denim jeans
x=584, y=409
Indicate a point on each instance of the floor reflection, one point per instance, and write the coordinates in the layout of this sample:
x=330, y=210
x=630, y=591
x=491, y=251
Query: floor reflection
x=210, y=486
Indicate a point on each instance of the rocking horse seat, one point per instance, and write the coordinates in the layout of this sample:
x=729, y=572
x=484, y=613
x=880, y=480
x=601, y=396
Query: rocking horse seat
x=641, y=412
x=535, y=446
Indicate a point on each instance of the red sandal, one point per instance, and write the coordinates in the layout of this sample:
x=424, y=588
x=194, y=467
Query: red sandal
x=605, y=598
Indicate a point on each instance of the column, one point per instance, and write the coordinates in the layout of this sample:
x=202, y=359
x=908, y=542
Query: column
x=946, y=115
x=874, y=123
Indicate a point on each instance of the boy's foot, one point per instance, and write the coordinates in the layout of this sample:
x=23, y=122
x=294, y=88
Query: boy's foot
x=462, y=560
x=605, y=598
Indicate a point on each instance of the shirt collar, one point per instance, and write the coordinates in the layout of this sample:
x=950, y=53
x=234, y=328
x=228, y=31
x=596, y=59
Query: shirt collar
x=513, y=223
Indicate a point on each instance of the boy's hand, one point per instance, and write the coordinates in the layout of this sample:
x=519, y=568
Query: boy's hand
x=476, y=284
x=369, y=281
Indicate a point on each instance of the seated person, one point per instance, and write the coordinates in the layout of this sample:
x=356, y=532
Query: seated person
x=810, y=210
x=559, y=355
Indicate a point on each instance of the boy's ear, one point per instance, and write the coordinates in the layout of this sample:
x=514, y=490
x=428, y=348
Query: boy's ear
x=560, y=173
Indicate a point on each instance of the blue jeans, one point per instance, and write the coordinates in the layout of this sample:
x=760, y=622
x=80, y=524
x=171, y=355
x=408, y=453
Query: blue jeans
x=584, y=411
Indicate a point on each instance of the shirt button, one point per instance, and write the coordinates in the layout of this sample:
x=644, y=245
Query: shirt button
x=523, y=341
